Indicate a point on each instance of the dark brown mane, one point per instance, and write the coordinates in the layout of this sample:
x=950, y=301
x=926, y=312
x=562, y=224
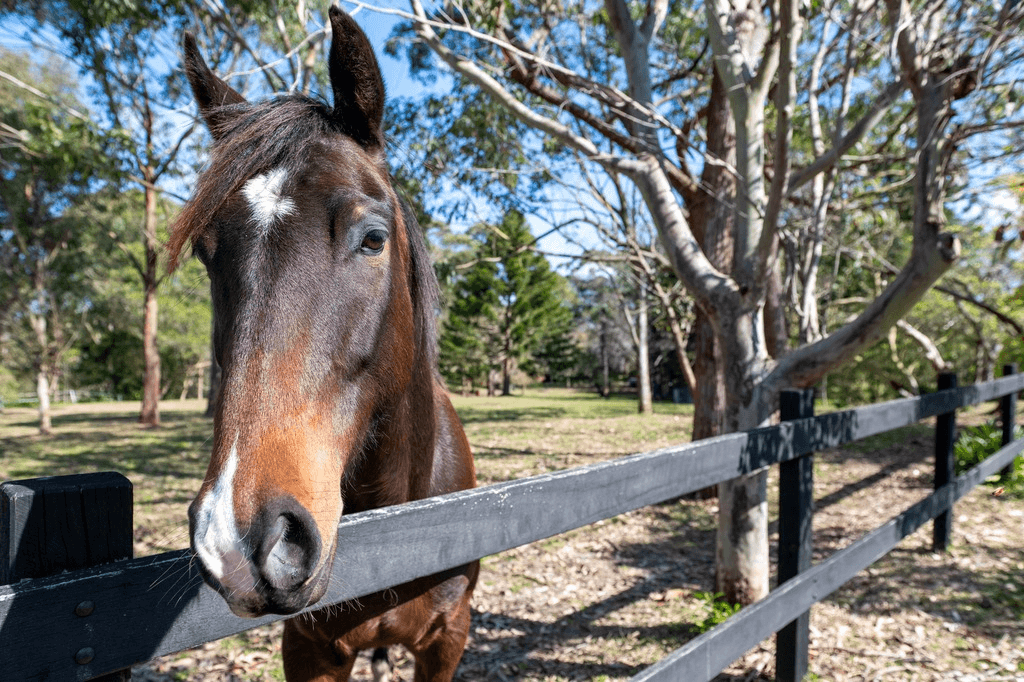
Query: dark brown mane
x=424, y=288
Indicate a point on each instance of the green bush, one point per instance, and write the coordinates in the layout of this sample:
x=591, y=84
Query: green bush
x=976, y=443
x=8, y=387
x=718, y=610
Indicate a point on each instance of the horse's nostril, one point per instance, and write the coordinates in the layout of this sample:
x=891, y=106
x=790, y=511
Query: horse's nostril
x=290, y=551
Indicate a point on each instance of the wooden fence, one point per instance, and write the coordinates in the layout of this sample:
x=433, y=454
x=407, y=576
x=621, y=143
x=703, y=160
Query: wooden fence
x=61, y=624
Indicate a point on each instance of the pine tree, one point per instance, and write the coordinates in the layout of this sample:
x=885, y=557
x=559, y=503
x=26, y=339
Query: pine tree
x=463, y=344
x=505, y=307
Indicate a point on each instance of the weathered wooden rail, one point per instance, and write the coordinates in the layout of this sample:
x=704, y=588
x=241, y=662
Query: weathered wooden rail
x=94, y=621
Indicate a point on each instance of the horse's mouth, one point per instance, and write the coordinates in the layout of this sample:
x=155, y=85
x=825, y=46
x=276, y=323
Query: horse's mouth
x=251, y=596
x=263, y=600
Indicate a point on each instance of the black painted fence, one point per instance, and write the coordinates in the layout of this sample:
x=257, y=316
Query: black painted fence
x=100, y=619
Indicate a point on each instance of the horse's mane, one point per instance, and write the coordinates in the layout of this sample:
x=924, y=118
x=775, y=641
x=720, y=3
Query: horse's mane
x=424, y=288
x=280, y=133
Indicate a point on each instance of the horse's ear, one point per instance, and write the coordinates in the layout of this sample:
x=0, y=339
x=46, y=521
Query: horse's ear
x=211, y=92
x=356, y=81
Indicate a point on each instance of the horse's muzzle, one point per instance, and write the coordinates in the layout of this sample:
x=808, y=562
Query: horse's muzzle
x=273, y=566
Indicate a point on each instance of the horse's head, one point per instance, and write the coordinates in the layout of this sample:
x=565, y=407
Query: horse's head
x=313, y=285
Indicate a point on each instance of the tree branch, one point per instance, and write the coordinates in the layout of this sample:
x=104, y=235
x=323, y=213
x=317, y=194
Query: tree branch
x=1002, y=317
x=42, y=95
x=806, y=365
x=139, y=267
x=931, y=351
x=866, y=123
x=785, y=100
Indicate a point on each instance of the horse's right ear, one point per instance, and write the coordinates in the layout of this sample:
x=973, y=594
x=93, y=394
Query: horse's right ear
x=211, y=92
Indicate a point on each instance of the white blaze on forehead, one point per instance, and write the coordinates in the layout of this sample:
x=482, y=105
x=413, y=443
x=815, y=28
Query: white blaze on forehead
x=216, y=534
x=263, y=193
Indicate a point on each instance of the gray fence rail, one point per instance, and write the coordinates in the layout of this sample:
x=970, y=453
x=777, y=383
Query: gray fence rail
x=85, y=623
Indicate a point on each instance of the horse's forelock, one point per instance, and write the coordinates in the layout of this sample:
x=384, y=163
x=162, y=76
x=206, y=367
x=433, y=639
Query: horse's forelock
x=252, y=139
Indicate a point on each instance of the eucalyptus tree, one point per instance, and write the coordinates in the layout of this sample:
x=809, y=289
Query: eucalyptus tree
x=52, y=158
x=109, y=350
x=668, y=86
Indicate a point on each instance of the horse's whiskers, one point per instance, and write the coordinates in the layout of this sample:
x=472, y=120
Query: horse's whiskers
x=172, y=568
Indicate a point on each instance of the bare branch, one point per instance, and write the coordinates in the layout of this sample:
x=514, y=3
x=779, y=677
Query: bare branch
x=931, y=351
x=42, y=95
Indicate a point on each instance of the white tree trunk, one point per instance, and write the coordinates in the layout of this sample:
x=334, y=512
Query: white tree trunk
x=43, y=392
x=43, y=364
x=643, y=361
x=741, y=548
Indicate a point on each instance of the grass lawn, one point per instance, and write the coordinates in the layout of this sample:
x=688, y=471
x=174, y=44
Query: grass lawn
x=545, y=430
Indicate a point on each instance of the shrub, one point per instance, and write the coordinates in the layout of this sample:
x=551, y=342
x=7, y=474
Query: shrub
x=718, y=610
x=976, y=443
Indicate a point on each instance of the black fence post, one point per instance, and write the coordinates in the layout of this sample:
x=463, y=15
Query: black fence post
x=1008, y=414
x=63, y=523
x=945, y=436
x=796, y=507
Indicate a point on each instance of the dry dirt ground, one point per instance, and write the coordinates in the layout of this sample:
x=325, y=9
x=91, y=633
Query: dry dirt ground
x=603, y=602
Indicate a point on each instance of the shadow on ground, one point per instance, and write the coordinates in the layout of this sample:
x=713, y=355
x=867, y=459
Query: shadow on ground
x=507, y=647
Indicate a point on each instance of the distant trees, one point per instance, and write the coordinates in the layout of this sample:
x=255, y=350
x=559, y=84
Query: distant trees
x=72, y=306
x=508, y=310
x=118, y=45
x=110, y=357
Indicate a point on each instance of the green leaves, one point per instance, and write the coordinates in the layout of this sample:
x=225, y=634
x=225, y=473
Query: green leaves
x=976, y=443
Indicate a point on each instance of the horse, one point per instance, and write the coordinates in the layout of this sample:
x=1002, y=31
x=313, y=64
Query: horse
x=324, y=306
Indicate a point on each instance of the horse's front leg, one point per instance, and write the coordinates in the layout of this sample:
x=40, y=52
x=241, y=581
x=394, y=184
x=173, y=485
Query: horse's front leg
x=438, y=657
x=311, y=657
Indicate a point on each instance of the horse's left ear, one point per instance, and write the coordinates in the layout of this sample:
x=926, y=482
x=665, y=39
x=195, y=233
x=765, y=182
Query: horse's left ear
x=356, y=81
x=211, y=93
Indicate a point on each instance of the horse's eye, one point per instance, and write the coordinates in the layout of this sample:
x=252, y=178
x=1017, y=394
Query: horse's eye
x=373, y=242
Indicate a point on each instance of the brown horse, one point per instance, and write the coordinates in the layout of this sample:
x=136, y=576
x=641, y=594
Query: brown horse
x=324, y=304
